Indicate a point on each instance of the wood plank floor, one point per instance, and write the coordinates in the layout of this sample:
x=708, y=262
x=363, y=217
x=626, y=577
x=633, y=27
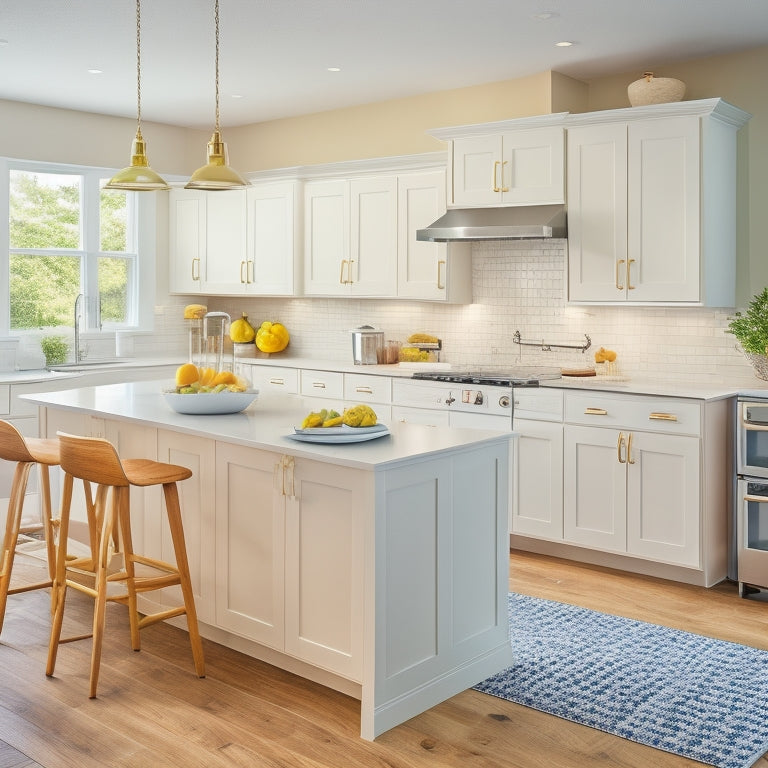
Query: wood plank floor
x=153, y=712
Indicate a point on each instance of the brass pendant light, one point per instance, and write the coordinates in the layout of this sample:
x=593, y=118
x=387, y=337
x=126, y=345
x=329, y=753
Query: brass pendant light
x=216, y=174
x=138, y=176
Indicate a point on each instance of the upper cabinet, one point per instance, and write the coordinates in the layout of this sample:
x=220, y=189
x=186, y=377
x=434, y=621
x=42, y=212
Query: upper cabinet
x=350, y=237
x=512, y=162
x=234, y=242
x=652, y=204
x=360, y=238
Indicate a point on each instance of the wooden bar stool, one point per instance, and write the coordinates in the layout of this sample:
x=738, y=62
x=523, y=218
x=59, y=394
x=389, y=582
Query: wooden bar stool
x=26, y=452
x=96, y=461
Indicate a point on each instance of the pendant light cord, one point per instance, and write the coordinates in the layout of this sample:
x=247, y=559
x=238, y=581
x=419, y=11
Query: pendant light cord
x=138, y=64
x=216, y=18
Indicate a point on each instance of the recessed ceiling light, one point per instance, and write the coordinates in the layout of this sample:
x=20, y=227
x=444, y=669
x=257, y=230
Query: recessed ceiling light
x=564, y=44
x=545, y=16
x=3, y=42
x=237, y=95
x=334, y=69
x=95, y=71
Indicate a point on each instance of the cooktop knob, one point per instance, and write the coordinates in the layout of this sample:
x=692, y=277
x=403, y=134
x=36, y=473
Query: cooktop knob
x=504, y=401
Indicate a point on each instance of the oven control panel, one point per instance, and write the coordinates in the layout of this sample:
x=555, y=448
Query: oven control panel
x=466, y=398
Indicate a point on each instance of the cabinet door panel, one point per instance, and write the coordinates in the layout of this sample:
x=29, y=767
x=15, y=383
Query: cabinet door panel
x=663, y=493
x=249, y=544
x=663, y=203
x=324, y=567
x=537, y=487
x=373, y=245
x=326, y=237
x=186, y=240
x=197, y=498
x=271, y=238
x=473, y=170
x=595, y=488
x=225, y=242
x=597, y=213
x=532, y=166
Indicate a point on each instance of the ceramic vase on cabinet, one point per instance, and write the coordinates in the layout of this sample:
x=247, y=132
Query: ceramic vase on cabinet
x=655, y=90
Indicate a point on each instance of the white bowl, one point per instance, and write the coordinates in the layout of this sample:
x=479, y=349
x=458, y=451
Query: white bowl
x=211, y=403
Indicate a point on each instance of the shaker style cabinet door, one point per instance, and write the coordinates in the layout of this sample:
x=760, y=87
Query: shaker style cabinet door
x=225, y=242
x=186, y=240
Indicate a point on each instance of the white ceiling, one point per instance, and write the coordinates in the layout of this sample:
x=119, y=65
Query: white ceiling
x=275, y=54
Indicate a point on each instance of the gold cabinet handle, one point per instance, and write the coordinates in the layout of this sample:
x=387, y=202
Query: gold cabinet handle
x=663, y=416
x=318, y=385
x=494, y=183
x=595, y=412
x=195, y=269
x=341, y=272
x=278, y=382
x=630, y=460
x=350, y=262
x=440, y=269
x=619, y=444
x=249, y=271
x=630, y=287
x=364, y=390
x=243, y=272
x=618, y=266
x=758, y=499
x=503, y=188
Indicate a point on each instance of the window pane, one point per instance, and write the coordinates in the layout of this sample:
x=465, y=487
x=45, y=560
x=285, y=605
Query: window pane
x=113, y=218
x=44, y=210
x=43, y=290
x=113, y=290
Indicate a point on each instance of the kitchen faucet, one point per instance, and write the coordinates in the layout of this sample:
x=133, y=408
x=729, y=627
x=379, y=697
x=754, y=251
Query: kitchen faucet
x=78, y=302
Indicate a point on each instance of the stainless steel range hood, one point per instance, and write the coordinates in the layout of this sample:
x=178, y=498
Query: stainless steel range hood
x=519, y=222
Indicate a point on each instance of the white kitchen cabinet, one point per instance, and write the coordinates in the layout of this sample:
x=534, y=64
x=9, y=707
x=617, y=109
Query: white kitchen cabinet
x=516, y=167
x=652, y=204
x=350, y=237
x=536, y=504
x=197, y=496
x=273, y=378
x=425, y=270
x=273, y=262
x=186, y=240
x=207, y=241
x=289, y=556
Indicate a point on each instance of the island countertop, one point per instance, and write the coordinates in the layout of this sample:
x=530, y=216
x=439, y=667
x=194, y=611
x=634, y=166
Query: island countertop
x=266, y=424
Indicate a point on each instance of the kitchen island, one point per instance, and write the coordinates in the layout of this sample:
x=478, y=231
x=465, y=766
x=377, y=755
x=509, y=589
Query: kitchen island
x=379, y=568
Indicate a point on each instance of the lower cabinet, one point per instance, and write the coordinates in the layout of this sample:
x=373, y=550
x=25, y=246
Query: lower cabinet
x=289, y=544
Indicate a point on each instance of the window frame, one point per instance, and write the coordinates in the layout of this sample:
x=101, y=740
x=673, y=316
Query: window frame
x=140, y=245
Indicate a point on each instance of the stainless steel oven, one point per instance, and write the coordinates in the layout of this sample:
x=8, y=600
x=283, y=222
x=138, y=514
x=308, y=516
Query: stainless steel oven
x=751, y=503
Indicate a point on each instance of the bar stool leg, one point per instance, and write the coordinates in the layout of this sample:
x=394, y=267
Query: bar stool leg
x=12, y=527
x=182, y=563
x=124, y=516
x=60, y=580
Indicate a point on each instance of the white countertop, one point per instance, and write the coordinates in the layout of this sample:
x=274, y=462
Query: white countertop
x=75, y=371
x=264, y=424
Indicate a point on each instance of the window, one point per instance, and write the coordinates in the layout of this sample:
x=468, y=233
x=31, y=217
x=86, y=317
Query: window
x=68, y=236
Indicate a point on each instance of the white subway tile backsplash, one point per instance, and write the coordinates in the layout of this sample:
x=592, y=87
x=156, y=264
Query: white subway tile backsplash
x=517, y=285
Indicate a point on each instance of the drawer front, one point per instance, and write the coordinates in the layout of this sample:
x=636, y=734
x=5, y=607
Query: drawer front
x=322, y=384
x=538, y=404
x=5, y=399
x=367, y=389
x=273, y=378
x=650, y=414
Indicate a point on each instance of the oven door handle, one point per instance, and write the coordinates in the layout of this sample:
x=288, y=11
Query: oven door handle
x=758, y=499
x=754, y=427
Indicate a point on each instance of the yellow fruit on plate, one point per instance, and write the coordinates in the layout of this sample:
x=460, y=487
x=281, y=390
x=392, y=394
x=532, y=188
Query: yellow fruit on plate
x=359, y=416
x=186, y=374
x=241, y=331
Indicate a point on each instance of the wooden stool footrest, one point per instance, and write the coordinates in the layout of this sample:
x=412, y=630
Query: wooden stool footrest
x=153, y=618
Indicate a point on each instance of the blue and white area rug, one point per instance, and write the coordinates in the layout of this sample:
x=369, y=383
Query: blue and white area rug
x=690, y=695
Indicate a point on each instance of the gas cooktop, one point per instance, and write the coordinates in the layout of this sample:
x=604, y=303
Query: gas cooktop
x=513, y=377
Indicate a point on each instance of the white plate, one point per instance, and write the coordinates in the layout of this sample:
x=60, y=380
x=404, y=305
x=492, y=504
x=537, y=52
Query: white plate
x=210, y=403
x=341, y=429
x=343, y=434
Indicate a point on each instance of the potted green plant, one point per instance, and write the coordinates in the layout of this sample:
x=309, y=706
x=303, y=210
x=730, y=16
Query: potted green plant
x=751, y=330
x=55, y=349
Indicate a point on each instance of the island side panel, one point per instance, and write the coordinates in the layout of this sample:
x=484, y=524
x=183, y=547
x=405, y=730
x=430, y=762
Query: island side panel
x=441, y=573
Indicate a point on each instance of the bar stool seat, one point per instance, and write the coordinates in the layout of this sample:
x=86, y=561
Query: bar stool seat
x=95, y=460
x=27, y=452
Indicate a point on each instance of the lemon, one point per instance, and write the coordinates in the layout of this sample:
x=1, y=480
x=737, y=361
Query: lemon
x=241, y=331
x=186, y=374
